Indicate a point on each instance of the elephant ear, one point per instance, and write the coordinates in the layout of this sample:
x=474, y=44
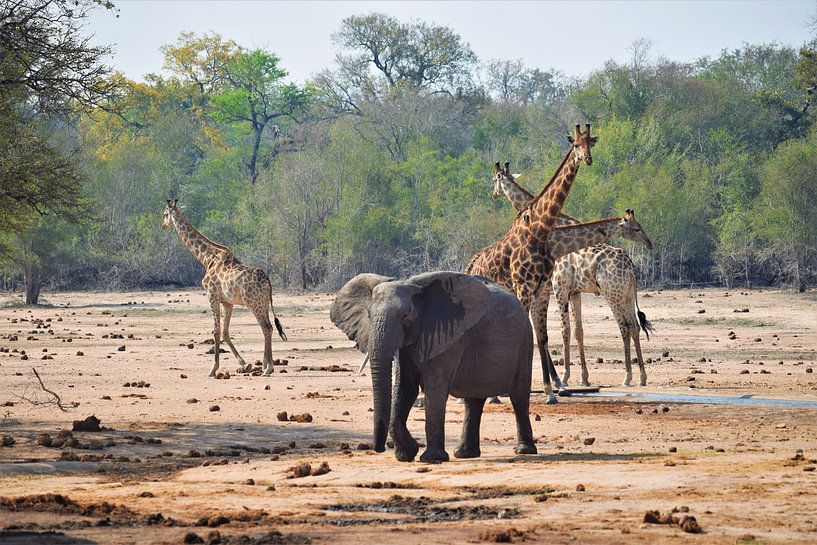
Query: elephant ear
x=350, y=310
x=452, y=303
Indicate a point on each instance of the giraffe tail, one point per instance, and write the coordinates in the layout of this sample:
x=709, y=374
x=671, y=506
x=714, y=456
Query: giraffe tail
x=645, y=324
x=278, y=325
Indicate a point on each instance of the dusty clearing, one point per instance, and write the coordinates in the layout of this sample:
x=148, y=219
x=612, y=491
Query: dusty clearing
x=168, y=469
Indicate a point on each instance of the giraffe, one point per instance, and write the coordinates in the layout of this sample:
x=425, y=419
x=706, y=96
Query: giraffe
x=599, y=269
x=227, y=282
x=520, y=260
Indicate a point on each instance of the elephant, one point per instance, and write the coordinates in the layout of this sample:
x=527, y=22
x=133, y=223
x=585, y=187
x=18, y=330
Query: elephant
x=449, y=332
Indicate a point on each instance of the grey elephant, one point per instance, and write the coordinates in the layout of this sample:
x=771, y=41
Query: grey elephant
x=452, y=333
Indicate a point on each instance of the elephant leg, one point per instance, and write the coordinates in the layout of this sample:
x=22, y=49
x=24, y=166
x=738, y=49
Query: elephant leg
x=225, y=335
x=406, y=388
x=469, y=441
x=520, y=399
x=435, y=380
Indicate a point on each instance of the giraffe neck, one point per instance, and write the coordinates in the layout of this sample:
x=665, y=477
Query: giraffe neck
x=520, y=198
x=546, y=207
x=203, y=249
x=570, y=238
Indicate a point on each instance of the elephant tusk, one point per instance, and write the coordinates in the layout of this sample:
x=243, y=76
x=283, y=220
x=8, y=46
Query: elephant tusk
x=363, y=365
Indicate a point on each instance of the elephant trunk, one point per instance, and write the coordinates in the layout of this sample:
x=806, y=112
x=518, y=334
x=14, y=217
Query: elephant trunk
x=381, y=367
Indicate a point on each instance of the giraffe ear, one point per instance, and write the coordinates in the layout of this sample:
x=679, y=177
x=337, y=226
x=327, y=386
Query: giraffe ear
x=593, y=140
x=507, y=167
x=570, y=139
x=168, y=202
x=175, y=202
x=629, y=214
x=497, y=168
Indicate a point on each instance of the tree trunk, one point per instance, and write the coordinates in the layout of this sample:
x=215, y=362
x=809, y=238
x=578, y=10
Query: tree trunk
x=34, y=282
x=256, y=145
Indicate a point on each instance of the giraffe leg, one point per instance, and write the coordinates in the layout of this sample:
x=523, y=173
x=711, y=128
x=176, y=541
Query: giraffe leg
x=262, y=315
x=635, y=333
x=538, y=313
x=562, y=300
x=628, y=364
x=216, y=308
x=225, y=335
x=578, y=332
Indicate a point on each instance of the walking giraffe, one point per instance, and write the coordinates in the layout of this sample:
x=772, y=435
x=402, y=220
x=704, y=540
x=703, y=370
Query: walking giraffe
x=227, y=282
x=520, y=260
x=599, y=269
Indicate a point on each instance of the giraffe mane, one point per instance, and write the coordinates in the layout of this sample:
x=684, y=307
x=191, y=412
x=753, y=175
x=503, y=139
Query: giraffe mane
x=206, y=238
x=555, y=175
x=582, y=224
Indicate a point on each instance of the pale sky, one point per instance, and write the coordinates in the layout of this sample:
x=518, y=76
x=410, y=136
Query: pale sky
x=573, y=37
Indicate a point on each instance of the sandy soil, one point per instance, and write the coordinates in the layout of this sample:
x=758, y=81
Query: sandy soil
x=168, y=469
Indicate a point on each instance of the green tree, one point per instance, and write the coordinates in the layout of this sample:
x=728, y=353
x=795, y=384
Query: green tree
x=257, y=96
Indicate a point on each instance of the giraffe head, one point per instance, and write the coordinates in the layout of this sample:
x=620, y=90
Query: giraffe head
x=631, y=230
x=172, y=206
x=501, y=175
x=582, y=142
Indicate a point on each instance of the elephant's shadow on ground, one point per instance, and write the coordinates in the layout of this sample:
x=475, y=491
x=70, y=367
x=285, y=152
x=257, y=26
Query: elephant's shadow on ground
x=568, y=457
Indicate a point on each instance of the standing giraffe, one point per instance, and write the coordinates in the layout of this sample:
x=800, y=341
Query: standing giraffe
x=599, y=269
x=520, y=260
x=227, y=282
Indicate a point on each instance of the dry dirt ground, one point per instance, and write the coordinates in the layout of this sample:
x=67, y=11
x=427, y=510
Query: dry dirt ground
x=169, y=468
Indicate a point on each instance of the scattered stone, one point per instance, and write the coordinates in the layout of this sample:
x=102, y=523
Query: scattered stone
x=665, y=353
x=192, y=537
x=503, y=536
x=744, y=372
x=301, y=418
x=537, y=418
x=673, y=449
x=249, y=482
x=146, y=494
x=215, y=408
x=701, y=311
x=599, y=360
x=580, y=488
x=91, y=423
x=44, y=440
x=300, y=470
x=121, y=348
x=192, y=400
x=282, y=416
x=107, y=398
x=364, y=446
x=7, y=441
x=689, y=525
x=589, y=441
x=322, y=469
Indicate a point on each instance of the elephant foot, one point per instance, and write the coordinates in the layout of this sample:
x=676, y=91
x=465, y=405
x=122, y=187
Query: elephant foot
x=643, y=381
x=434, y=456
x=460, y=401
x=212, y=374
x=559, y=383
x=267, y=373
x=467, y=451
x=525, y=448
x=585, y=382
x=244, y=365
x=420, y=403
x=494, y=401
x=564, y=383
x=405, y=454
x=551, y=399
